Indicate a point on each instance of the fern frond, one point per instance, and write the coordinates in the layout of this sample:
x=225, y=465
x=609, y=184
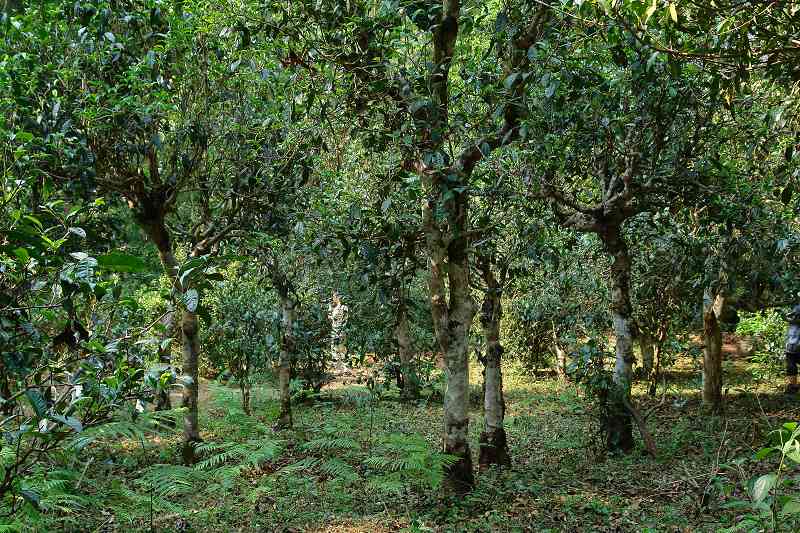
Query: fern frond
x=337, y=468
x=327, y=444
x=306, y=463
x=154, y=423
x=170, y=480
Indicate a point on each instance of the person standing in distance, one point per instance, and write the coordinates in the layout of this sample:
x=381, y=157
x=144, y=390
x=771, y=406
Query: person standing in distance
x=792, y=350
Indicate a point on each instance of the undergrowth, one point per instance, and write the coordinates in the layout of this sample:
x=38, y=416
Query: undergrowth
x=362, y=464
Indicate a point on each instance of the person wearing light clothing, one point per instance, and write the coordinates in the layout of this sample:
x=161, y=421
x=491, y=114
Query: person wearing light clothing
x=792, y=350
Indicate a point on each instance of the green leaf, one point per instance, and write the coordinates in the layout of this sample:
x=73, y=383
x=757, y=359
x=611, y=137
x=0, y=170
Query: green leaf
x=764, y=453
x=794, y=455
x=34, y=220
x=762, y=486
x=650, y=11
x=37, y=402
x=24, y=136
x=121, y=262
x=791, y=507
x=68, y=421
x=23, y=255
x=673, y=12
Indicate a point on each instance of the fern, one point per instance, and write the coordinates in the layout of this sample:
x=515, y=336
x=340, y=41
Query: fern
x=170, y=480
x=247, y=454
x=155, y=423
x=306, y=463
x=330, y=443
x=138, y=504
x=403, y=460
x=336, y=468
x=222, y=453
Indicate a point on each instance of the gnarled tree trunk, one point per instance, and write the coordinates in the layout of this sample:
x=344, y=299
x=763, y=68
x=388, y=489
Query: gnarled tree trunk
x=712, y=353
x=619, y=426
x=452, y=319
x=410, y=382
x=190, y=379
x=493, y=443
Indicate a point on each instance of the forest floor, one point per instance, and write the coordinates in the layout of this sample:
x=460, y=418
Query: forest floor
x=559, y=481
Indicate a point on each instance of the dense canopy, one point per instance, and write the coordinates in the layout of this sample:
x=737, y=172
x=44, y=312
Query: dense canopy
x=516, y=265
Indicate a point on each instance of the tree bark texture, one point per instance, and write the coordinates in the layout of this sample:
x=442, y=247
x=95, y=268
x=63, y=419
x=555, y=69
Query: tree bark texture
x=493, y=443
x=285, y=359
x=561, y=360
x=445, y=224
x=410, y=382
x=619, y=427
x=452, y=319
x=648, y=353
x=191, y=354
x=712, y=353
x=244, y=388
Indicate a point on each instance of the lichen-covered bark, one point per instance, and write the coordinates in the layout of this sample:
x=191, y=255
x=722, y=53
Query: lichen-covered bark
x=445, y=222
x=619, y=426
x=190, y=380
x=445, y=225
x=452, y=319
x=712, y=353
x=493, y=443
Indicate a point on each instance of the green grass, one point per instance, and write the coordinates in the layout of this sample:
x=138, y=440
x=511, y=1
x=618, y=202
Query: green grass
x=354, y=464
